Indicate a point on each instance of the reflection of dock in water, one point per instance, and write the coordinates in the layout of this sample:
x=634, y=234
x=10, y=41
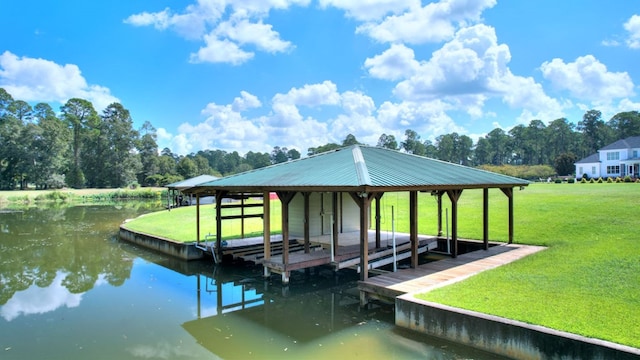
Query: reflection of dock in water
x=273, y=317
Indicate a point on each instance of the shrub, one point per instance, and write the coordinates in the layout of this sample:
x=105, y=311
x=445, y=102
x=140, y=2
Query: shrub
x=571, y=180
x=627, y=179
x=583, y=180
x=558, y=181
x=610, y=180
x=53, y=196
x=600, y=180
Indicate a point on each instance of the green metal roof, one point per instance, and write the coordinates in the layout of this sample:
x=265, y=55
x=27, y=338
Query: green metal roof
x=362, y=168
x=188, y=183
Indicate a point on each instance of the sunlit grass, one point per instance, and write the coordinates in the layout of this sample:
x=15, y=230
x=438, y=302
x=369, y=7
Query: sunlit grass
x=179, y=224
x=587, y=282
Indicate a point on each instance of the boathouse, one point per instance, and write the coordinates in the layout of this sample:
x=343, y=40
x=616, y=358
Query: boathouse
x=176, y=190
x=332, y=194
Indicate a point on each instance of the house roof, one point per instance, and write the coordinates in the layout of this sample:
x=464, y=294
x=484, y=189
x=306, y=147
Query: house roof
x=189, y=183
x=628, y=143
x=593, y=158
x=362, y=168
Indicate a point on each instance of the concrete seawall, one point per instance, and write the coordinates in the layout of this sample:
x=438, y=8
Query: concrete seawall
x=166, y=246
x=502, y=336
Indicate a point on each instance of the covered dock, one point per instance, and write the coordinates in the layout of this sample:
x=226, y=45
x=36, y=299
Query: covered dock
x=338, y=193
x=177, y=194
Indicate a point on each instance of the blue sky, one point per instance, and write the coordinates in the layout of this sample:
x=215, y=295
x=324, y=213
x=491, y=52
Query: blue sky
x=248, y=75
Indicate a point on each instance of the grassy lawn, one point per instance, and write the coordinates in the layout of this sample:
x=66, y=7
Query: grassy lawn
x=587, y=282
x=179, y=224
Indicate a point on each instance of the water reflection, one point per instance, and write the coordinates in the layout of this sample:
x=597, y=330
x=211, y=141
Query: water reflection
x=70, y=290
x=39, y=300
x=61, y=247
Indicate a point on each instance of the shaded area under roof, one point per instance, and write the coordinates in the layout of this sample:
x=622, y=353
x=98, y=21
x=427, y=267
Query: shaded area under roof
x=362, y=168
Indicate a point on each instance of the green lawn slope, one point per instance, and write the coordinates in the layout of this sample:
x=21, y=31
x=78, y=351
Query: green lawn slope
x=587, y=282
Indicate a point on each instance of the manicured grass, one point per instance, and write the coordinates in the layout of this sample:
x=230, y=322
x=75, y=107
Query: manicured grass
x=179, y=224
x=587, y=282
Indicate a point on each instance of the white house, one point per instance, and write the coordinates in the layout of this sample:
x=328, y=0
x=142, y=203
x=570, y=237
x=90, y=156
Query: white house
x=620, y=158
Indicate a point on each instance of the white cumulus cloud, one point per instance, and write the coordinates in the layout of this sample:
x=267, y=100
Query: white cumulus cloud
x=397, y=62
x=633, y=28
x=588, y=79
x=225, y=28
x=365, y=10
x=433, y=22
x=41, y=80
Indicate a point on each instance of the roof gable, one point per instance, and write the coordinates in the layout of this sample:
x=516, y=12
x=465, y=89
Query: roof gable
x=593, y=158
x=363, y=168
x=628, y=143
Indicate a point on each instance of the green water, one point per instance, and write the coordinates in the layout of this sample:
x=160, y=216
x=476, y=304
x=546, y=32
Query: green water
x=69, y=289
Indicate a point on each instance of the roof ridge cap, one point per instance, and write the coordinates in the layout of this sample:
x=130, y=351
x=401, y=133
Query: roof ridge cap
x=361, y=166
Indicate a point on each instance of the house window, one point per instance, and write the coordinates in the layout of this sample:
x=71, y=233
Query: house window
x=593, y=170
x=613, y=169
x=635, y=154
x=580, y=170
x=613, y=155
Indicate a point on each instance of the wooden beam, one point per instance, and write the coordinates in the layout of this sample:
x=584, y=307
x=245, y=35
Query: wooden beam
x=378, y=197
x=246, y=216
x=485, y=217
x=413, y=227
x=197, y=219
x=364, y=202
x=439, y=200
x=454, y=195
x=285, y=198
x=306, y=221
x=336, y=223
x=509, y=193
x=266, y=228
x=242, y=218
x=219, y=197
x=237, y=206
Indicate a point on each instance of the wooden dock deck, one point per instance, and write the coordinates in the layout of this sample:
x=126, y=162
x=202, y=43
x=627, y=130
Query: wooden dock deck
x=347, y=253
x=426, y=277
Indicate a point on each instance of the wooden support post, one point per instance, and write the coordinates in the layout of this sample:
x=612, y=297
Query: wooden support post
x=266, y=228
x=413, y=227
x=335, y=218
x=306, y=222
x=485, y=217
x=364, y=202
x=242, y=216
x=219, y=197
x=285, y=198
x=378, y=198
x=198, y=219
x=509, y=193
x=454, y=195
x=439, y=199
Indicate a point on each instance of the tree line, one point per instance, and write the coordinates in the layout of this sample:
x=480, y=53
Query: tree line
x=78, y=147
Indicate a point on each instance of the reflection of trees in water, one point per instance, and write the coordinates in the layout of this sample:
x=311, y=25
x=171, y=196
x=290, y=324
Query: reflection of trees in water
x=80, y=241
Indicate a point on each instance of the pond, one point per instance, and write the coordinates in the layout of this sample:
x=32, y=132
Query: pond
x=69, y=289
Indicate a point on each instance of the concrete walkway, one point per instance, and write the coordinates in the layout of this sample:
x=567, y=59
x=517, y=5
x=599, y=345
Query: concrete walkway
x=443, y=272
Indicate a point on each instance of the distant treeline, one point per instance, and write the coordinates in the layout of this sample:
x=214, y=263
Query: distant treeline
x=80, y=148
